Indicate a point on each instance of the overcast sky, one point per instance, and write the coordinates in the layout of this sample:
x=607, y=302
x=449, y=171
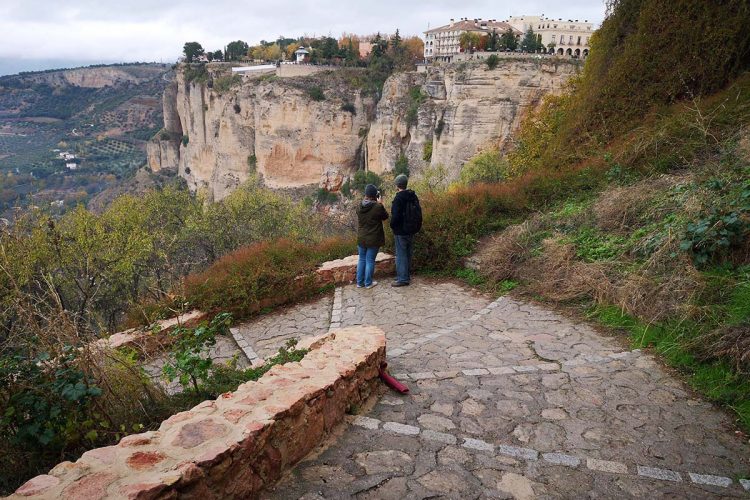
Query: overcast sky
x=37, y=33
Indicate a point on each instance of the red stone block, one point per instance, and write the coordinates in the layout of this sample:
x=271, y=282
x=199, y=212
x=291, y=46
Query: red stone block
x=91, y=487
x=37, y=485
x=141, y=460
x=196, y=433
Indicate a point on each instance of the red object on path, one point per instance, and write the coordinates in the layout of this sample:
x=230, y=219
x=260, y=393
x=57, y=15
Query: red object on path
x=390, y=381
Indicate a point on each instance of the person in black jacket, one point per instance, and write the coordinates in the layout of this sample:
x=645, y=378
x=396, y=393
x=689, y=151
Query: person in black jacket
x=370, y=235
x=404, y=229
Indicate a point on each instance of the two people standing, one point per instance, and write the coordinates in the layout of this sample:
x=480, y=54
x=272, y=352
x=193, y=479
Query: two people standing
x=406, y=221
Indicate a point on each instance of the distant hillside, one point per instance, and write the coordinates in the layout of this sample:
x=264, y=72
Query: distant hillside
x=101, y=116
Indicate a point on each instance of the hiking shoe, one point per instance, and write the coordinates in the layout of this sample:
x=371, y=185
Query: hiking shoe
x=371, y=285
x=399, y=283
x=360, y=286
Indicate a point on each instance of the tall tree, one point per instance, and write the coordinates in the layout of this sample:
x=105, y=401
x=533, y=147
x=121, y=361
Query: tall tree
x=529, y=42
x=508, y=40
x=236, y=50
x=192, y=50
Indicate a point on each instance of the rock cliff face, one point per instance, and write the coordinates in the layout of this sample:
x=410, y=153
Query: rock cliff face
x=216, y=140
x=462, y=110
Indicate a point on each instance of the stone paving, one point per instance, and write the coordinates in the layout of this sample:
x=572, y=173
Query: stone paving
x=507, y=400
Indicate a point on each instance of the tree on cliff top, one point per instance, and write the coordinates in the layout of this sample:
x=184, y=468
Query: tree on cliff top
x=508, y=40
x=192, y=50
x=236, y=50
x=529, y=42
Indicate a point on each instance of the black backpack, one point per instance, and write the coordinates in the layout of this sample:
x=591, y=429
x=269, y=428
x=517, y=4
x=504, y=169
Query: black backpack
x=412, y=216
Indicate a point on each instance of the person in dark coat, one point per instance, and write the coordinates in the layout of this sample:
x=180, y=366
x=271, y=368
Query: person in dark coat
x=370, y=235
x=404, y=229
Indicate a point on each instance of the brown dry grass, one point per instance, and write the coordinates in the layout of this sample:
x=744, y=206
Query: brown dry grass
x=501, y=258
x=559, y=276
x=622, y=208
x=732, y=342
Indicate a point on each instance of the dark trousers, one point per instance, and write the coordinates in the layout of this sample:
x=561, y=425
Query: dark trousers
x=404, y=246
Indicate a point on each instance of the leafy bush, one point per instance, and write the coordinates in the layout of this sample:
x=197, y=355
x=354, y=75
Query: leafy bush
x=185, y=140
x=252, y=162
x=316, y=94
x=710, y=237
x=362, y=179
x=349, y=108
x=195, y=73
x=416, y=98
x=189, y=359
x=401, y=166
x=224, y=83
x=325, y=197
x=488, y=166
x=263, y=275
x=427, y=151
x=492, y=61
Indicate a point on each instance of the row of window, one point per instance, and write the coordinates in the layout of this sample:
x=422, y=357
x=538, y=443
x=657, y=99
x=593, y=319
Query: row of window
x=554, y=26
x=570, y=40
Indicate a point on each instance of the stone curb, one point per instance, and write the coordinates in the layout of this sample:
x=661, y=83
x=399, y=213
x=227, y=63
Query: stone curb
x=562, y=459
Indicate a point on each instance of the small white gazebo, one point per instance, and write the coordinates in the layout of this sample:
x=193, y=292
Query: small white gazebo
x=301, y=54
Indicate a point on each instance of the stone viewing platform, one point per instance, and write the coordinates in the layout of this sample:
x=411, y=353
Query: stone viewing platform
x=344, y=271
x=240, y=443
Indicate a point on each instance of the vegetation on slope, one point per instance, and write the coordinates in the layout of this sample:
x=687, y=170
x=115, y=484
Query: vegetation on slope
x=628, y=195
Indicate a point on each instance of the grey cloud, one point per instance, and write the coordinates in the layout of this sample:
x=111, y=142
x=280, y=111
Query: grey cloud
x=155, y=29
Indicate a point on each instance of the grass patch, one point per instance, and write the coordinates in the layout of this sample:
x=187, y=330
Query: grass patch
x=592, y=245
x=471, y=276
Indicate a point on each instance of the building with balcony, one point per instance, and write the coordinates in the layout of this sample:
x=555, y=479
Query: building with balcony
x=443, y=43
x=564, y=38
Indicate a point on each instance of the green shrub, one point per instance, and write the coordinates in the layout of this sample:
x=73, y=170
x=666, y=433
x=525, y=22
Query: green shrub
x=325, y=197
x=316, y=94
x=427, y=151
x=401, y=166
x=185, y=140
x=189, y=358
x=349, y=108
x=488, y=166
x=416, y=98
x=195, y=73
x=362, y=179
x=492, y=61
x=252, y=163
x=224, y=83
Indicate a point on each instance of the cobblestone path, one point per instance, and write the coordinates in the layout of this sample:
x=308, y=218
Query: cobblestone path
x=508, y=400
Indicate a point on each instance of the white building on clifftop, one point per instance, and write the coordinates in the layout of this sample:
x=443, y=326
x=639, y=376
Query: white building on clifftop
x=568, y=38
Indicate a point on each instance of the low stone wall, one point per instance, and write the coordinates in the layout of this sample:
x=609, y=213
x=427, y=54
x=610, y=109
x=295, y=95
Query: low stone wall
x=292, y=70
x=235, y=446
x=345, y=270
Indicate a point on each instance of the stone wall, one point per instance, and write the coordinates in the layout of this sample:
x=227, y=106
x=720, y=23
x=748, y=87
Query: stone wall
x=235, y=446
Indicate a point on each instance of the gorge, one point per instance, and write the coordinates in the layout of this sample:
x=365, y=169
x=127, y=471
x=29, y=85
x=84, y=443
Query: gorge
x=308, y=130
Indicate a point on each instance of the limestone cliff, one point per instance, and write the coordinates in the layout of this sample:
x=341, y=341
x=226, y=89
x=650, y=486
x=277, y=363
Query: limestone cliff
x=273, y=126
x=217, y=139
x=463, y=109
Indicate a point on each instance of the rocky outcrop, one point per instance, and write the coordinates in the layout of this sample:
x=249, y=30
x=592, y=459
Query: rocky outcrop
x=462, y=110
x=218, y=139
x=272, y=126
x=98, y=77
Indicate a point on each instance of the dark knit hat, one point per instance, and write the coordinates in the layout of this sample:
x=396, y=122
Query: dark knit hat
x=371, y=191
x=401, y=181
